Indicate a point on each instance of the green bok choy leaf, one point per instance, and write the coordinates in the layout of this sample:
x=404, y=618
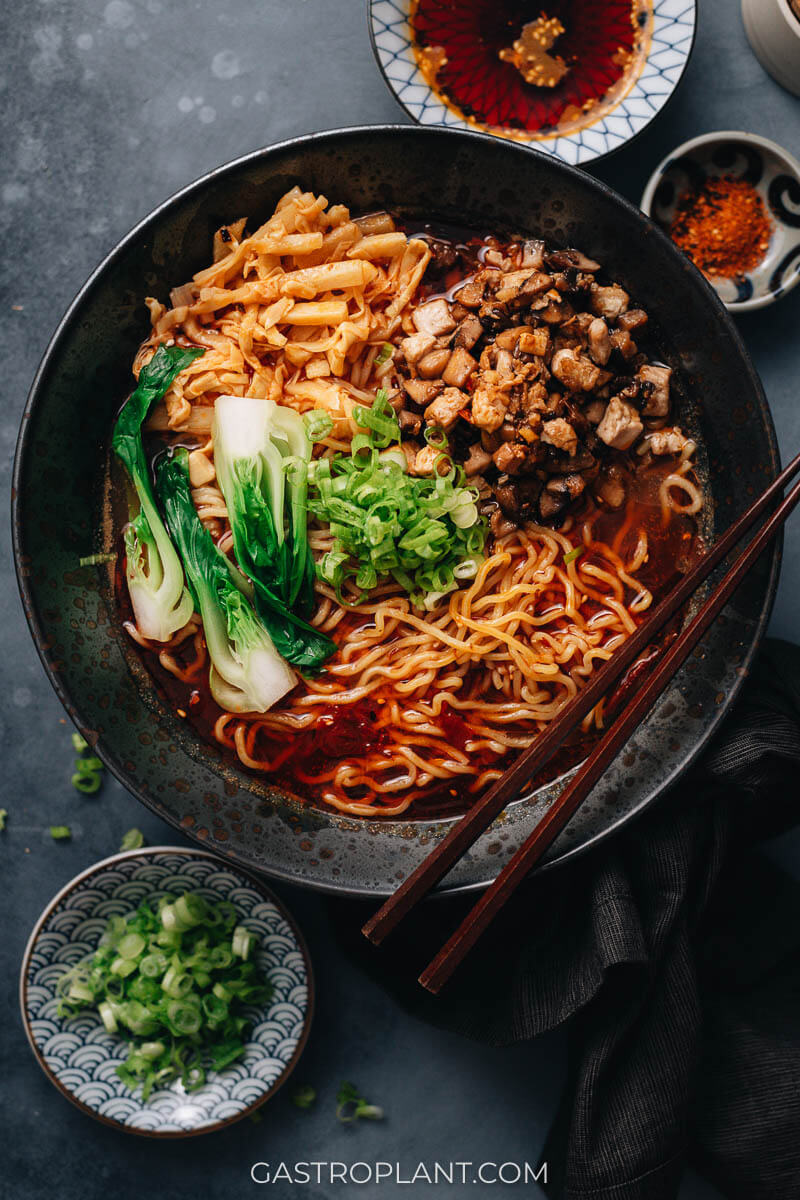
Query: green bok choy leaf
x=261, y=456
x=247, y=672
x=161, y=603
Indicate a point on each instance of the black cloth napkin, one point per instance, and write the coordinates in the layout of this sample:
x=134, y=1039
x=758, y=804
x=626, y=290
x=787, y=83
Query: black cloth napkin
x=672, y=954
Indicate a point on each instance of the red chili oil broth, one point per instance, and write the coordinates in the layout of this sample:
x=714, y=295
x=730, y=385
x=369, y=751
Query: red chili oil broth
x=603, y=45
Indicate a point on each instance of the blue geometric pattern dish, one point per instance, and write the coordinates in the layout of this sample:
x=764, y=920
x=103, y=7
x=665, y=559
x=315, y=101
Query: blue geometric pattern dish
x=773, y=172
x=674, y=23
x=81, y=1058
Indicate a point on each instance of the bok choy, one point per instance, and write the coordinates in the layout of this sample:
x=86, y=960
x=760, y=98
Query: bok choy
x=247, y=672
x=261, y=456
x=161, y=603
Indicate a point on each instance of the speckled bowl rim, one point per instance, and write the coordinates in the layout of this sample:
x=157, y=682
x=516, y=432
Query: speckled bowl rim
x=709, y=139
x=148, y=852
x=107, y=754
x=536, y=144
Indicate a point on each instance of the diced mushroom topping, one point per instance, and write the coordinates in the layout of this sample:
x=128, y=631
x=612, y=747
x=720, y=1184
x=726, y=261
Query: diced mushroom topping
x=425, y=461
x=533, y=372
x=422, y=391
x=410, y=423
x=635, y=318
x=533, y=254
x=599, y=341
x=445, y=408
x=468, y=332
x=459, y=368
x=417, y=345
x=620, y=426
x=560, y=433
x=477, y=461
x=667, y=441
x=433, y=363
x=608, y=302
x=655, y=390
x=578, y=374
x=434, y=318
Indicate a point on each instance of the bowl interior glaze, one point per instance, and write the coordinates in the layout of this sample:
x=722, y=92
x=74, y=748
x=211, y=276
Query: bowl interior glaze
x=458, y=177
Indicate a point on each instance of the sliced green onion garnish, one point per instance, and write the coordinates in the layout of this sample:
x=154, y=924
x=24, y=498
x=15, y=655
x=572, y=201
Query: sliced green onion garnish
x=319, y=424
x=384, y=354
x=242, y=942
x=571, y=555
x=176, y=994
x=60, y=833
x=132, y=840
x=79, y=743
x=106, y=1010
x=385, y=522
x=3, y=818
x=131, y=946
x=304, y=1096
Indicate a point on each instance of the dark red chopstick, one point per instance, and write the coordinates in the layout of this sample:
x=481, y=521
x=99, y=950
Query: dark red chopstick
x=462, y=835
x=488, y=906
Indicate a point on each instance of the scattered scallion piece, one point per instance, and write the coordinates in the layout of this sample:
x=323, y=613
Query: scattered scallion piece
x=572, y=555
x=88, y=776
x=79, y=743
x=423, y=531
x=168, y=980
x=352, y=1107
x=95, y=560
x=304, y=1096
x=384, y=354
x=60, y=833
x=319, y=424
x=3, y=818
x=132, y=840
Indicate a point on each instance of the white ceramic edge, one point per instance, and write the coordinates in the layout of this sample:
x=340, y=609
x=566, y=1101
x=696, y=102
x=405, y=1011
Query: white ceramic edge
x=581, y=152
x=773, y=32
x=707, y=139
x=145, y=852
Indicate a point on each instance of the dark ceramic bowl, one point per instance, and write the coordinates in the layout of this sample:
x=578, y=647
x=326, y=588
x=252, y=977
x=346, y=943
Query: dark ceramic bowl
x=462, y=178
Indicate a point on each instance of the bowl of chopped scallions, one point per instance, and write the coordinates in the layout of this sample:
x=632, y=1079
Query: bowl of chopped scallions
x=166, y=993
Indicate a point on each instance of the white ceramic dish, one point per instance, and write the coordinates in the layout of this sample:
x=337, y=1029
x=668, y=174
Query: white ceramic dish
x=776, y=176
x=773, y=31
x=666, y=59
x=80, y=1058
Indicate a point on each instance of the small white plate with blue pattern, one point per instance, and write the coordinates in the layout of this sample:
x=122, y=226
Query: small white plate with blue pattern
x=81, y=1058
x=663, y=55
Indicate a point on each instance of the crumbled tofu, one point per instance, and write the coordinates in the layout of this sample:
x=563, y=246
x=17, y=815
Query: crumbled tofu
x=489, y=406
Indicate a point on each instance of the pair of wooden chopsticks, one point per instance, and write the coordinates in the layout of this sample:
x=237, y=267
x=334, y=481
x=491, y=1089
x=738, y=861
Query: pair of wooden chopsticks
x=514, y=780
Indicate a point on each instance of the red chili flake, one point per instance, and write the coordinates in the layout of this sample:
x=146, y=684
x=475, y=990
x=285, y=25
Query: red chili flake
x=723, y=227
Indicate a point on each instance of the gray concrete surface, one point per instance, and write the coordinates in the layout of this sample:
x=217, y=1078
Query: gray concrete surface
x=108, y=107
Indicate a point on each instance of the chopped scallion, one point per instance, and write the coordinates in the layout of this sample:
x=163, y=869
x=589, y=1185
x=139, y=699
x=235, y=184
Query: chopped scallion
x=176, y=994
x=572, y=555
x=304, y=1096
x=384, y=354
x=60, y=833
x=132, y=840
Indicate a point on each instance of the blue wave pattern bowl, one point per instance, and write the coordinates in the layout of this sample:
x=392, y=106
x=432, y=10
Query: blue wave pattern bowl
x=773, y=172
x=81, y=1058
x=673, y=32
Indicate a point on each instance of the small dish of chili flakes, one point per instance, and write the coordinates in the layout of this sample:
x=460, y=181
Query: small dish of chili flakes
x=731, y=201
